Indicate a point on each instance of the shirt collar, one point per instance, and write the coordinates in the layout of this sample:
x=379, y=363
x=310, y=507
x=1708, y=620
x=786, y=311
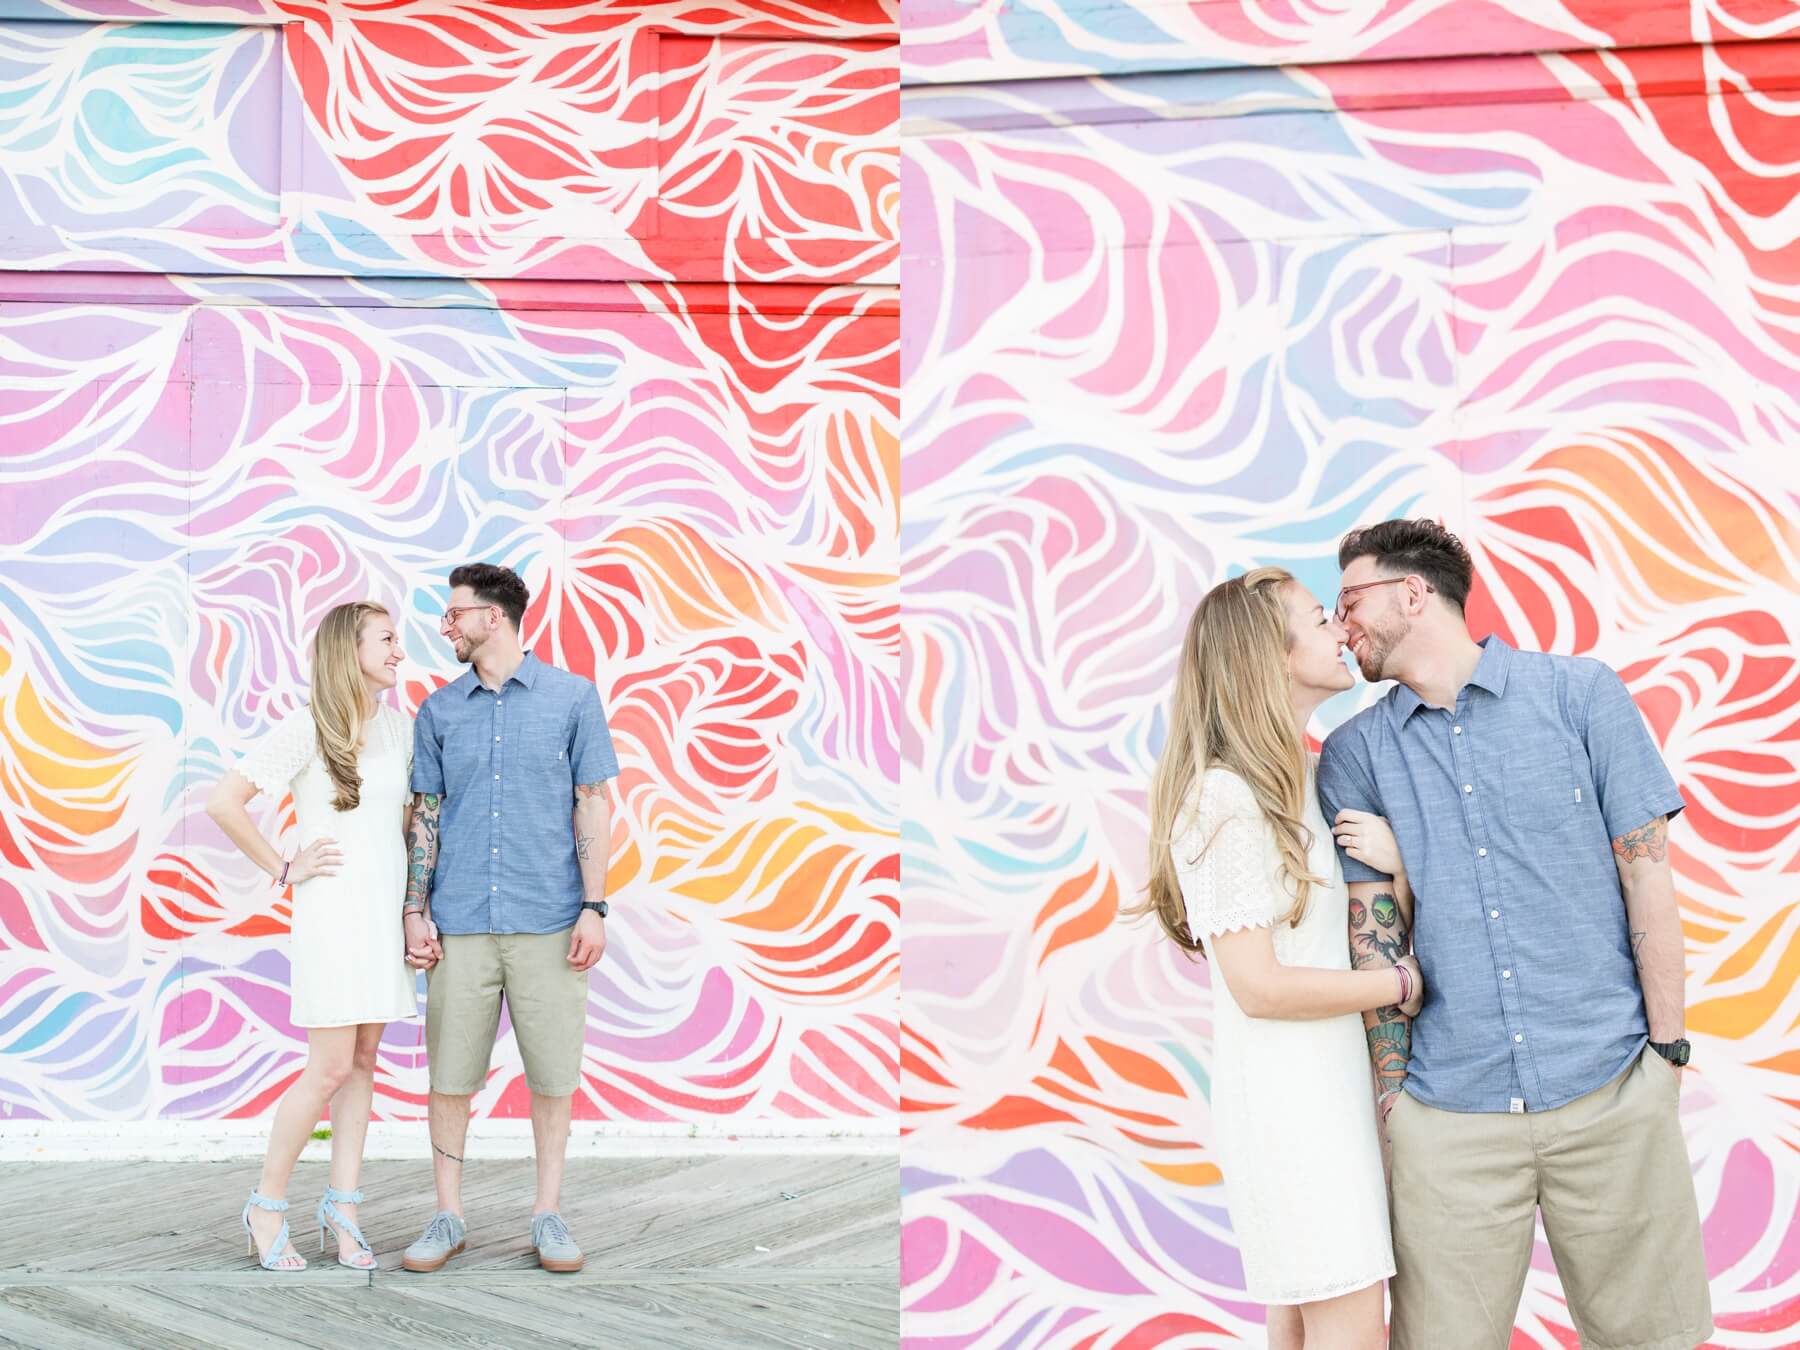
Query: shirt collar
x=1490, y=674
x=525, y=675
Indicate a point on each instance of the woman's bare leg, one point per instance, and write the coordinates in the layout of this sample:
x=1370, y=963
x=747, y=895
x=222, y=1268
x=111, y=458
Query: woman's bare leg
x=350, y=1118
x=1348, y=1322
x=1287, y=1330
x=328, y=1062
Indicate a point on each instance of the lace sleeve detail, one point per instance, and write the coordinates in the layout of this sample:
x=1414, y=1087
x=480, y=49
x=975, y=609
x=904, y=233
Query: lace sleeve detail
x=1221, y=860
x=277, y=759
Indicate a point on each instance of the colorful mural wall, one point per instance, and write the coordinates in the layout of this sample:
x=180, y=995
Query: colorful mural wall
x=306, y=303
x=1244, y=283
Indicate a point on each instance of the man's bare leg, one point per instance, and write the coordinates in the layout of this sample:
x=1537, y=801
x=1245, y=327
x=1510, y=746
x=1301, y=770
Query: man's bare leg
x=550, y=1134
x=449, y=1131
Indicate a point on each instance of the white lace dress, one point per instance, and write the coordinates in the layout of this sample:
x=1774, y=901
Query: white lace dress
x=1293, y=1104
x=347, y=949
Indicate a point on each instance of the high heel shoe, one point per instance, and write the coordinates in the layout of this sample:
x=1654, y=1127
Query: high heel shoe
x=329, y=1214
x=279, y=1246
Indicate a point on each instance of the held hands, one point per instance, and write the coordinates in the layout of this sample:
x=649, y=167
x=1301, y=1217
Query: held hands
x=423, y=950
x=588, y=940
x=318, y=859
x=1417, y=998
x=1366, y=837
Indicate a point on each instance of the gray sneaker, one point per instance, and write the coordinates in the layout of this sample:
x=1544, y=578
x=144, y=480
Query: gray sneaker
x=555, y=1248
x=441, y=1240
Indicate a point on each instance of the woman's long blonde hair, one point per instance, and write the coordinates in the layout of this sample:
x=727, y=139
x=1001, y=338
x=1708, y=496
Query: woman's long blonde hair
x=1231, y=710
x=338, y=696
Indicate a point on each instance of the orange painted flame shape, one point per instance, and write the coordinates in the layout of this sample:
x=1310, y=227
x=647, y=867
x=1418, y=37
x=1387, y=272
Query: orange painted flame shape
x=810, y=895
x=1625, y=520
x=62, y=791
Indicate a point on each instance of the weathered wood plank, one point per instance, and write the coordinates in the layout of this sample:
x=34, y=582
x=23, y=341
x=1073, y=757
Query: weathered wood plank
x=151, y=1255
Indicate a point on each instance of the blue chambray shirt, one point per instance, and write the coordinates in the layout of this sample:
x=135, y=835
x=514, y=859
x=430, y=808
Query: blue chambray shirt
x=1505, y=811
x=506, y=765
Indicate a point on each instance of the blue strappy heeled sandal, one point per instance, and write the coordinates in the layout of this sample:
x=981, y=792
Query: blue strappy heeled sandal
x=280, y=1245
x=330, y=1214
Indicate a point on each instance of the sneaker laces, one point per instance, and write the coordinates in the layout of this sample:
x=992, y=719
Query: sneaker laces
x=552, y=1228
x=439, y=1229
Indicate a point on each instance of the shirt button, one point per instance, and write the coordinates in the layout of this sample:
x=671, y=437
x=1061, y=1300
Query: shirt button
x=1506, y=974
x=1518, y=1035
x=1493, y=914
x=1457, y=730
x=1468, y=787
x=496, y=815
x=493, y=850
x=1481, y=853
x=496, y=740
x=493, y=888
x=496, y=778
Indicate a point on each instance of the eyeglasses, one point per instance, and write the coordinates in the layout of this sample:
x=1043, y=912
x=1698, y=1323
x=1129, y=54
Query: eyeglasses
x=455, y=612
x=1344, y=607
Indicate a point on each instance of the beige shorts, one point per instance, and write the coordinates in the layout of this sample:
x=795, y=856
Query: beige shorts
x=545, y=997
x=1610, y=1171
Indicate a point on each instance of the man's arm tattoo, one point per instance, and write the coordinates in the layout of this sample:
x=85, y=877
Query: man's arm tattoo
x=590, y=789
x=1378, y=934
x=1647, y=841
x=1637, y=948
x=1381, y=945
x=581, y=845
x=1390, y=1045
x=421, y=851
x=1375, y=950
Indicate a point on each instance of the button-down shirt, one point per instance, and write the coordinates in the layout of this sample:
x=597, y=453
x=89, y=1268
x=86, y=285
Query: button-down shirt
x=1505, y=809
x=506, y=763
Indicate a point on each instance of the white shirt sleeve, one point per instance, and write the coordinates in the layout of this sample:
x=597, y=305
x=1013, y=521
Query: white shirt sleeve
x=1221, y=859
x=277, y=759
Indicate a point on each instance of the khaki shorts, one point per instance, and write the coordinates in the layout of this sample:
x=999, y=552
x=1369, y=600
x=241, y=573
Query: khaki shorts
x=545, y=997
x=1610, y=1171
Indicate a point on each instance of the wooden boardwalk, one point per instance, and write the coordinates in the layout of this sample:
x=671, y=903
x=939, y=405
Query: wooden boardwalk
x=696, y=1251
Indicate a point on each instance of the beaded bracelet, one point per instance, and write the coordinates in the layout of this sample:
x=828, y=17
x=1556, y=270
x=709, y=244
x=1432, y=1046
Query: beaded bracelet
x=282, y=879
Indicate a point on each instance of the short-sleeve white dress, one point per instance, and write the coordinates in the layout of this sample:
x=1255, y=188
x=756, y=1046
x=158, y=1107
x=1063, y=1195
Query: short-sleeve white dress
x=1293, y=1103
x=348, y=946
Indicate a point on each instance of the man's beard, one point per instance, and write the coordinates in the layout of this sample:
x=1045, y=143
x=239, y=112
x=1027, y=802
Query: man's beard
x=1372, y=659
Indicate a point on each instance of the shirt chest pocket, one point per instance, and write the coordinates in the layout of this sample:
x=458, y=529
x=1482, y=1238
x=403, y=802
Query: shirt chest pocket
x=1543, y=785
x=545, y=758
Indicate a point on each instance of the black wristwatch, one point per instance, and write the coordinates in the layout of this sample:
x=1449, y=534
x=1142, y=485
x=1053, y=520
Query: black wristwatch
x=599, y=907
x=1676, y=1052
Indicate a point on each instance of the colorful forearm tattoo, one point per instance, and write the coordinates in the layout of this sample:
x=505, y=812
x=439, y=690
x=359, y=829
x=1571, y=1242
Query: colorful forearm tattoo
x=421, y=851
x=1378, y=940
x=1390, y=1045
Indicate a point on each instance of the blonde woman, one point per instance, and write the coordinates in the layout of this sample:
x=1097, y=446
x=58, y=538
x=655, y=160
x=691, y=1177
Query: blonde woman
x=1243, y=862
x=347, y=760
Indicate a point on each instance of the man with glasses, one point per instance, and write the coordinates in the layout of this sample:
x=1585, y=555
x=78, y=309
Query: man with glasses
x=1543, y=1072
x=505, y=890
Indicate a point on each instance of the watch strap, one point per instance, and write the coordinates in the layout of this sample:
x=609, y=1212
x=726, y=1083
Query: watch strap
x=598, y=906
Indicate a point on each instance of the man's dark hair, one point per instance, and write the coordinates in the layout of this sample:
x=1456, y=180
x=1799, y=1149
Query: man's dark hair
x=494, y=586
x=1417, y=547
